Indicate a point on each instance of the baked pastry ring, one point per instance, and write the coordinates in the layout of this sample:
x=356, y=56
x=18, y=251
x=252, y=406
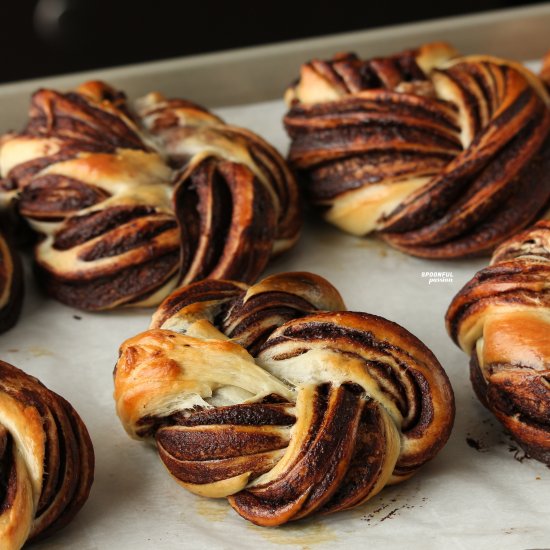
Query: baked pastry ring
x=501, y=319
x=46, y=460
x=11, y=284
x=252, y=393
x=443, y=156
x=131, y=204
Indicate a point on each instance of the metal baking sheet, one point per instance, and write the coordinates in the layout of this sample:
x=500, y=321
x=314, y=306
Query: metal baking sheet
x=261, y=73
x=480, y=491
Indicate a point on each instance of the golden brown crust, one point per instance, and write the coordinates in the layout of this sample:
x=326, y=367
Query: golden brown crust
x=545, y=71
x=46, y=460
x=501, y=318
x=446, y=157
x=346, y=74
x=11, y=284
x=321, y=412
x=247, y=315
x=131, y=204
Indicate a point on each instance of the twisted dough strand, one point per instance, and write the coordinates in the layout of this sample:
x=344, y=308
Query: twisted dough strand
x=444, y=156
x=132, y=204
x=501, y=318
x=321, y=412
x=46, y=460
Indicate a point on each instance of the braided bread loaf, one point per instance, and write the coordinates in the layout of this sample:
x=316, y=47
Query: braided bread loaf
x=254, y=394
x=444, y=156
x=11, y=285
x=131, y=204
x=46, y=460
x=501, y=318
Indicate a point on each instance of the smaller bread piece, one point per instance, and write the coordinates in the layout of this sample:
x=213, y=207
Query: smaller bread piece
x=11, y=284
x=255, y=394
x=501, y=319
x=443, y=156
x=46, y=460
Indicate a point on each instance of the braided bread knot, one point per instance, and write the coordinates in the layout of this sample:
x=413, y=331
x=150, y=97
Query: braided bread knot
x=444, y=156
x=501, y=318
x=132, y=203
x=46, y=460
x=255, y=394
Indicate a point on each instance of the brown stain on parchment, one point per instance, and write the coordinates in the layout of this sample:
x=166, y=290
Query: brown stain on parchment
x=212, y=509
x=372, y=243
x=37, y=351
x=304, y=535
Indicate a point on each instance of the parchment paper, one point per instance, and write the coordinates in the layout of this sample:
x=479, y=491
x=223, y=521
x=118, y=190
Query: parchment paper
x=479, y=492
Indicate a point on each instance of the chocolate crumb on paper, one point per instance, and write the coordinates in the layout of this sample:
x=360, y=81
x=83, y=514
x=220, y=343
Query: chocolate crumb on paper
x=475, y=444
x=519, y=454
x=391, y=508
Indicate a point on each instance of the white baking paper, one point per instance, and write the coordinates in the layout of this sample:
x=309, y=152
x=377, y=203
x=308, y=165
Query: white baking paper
x=467, y=499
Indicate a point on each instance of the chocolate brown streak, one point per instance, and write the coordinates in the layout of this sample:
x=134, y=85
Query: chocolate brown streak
x=364, y=468
x=54, y=196
x=186, y=205
x=211, y=471
x=328, y=331
x=327, y=180
x=202, y=291
x=394, y=105
x=8, y=476
x=81, y=229
x=216, y=441
x=215, y=210
x=100, y=292
x=525, y=395
x=14, y=277
x=252, y=414
x=54, y=461
x=260, y=315
x=128, y=240
x=71, y=115
x=349, y=139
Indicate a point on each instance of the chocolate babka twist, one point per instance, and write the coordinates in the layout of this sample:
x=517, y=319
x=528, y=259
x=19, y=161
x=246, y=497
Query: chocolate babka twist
x=11, y=284
x=129, y=204
x=501, y=319
x=252, y=393
x=444, y=156
x=46, y=460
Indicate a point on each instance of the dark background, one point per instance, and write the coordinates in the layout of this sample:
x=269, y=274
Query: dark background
x=46, y=37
